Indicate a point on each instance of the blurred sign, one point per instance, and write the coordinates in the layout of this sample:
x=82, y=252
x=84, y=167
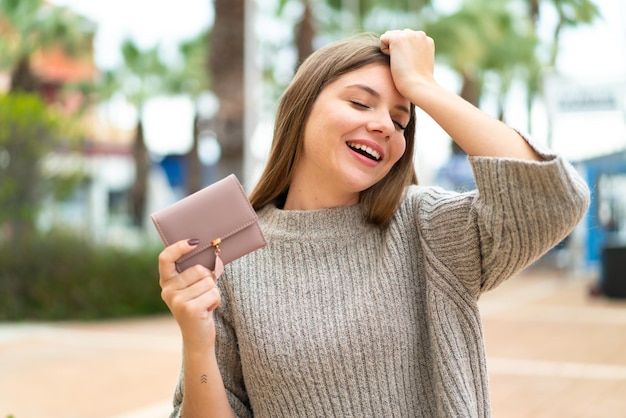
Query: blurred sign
x=564, y=96
x=588, y=99
x=588, y=119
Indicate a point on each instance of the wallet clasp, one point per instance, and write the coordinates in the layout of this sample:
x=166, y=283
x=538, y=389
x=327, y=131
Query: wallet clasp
x=216, y=243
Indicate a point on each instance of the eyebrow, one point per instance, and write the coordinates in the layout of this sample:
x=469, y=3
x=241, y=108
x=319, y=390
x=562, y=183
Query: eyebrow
x=376, y=94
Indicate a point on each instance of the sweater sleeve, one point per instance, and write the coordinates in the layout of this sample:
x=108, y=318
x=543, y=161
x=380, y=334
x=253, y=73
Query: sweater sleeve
x=521, y=209
x=228, y=360
x=227, y=351
x=524, y=209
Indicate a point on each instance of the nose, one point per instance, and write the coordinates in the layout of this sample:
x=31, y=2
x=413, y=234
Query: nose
x=381, y=123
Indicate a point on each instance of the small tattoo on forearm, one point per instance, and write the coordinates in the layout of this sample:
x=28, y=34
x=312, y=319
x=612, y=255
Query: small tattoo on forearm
x=203, y=379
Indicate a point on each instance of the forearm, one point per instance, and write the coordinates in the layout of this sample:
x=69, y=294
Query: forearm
x=477, y=133
x=205, y=395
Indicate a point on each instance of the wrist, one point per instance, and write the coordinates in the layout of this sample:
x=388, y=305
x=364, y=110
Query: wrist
x=202, y=345
x=422, y=92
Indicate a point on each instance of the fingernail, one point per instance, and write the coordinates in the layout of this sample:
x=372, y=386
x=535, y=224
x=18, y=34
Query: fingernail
x=193, y=242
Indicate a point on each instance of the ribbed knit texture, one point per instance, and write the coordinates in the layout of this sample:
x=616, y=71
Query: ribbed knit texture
x=339, y=318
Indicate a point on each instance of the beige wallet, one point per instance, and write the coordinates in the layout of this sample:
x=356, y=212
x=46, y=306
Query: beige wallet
x=220, y=216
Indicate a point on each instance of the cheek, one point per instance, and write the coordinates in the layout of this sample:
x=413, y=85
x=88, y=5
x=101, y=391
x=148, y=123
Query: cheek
x=314, y=145
x=398, y=148
x=323, y=131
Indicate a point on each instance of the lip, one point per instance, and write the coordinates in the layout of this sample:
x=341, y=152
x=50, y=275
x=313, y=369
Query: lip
x=372, y=144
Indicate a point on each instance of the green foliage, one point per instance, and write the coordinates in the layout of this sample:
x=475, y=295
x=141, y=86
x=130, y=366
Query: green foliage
x=191, y=76
x=575, y=12
x=365, y=13
x=140, y=77
x=58, y=277
x=25, y=115
x=27, y=132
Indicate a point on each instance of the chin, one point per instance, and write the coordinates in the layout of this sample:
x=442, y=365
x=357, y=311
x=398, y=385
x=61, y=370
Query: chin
x=358, y=181
x=361, y=186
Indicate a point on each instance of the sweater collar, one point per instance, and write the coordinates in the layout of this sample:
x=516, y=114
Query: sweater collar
x=313, y=224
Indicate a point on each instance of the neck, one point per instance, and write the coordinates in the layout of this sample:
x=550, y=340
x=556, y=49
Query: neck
x=307, y=195
x=300, y=199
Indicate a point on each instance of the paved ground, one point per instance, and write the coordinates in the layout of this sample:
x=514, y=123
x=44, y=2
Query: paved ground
x=552, y=350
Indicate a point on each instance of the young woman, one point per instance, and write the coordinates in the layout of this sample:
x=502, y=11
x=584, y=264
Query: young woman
x=364, y=301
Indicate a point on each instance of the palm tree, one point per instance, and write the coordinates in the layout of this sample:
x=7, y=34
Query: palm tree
x=32, y=26
x=226, y=67
x=570, y=13
x=465, y=40
x=378, y=15
x=138, y=78
x=305, y=32
x=487, y=37
x=345, y=17
x=511, y=59
x=192, y=79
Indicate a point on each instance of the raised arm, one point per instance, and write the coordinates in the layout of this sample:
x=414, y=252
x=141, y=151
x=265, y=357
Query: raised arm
x=192, y=296
x=478, y=134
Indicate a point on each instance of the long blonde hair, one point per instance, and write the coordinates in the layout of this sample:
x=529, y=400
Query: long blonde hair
x=320, y=69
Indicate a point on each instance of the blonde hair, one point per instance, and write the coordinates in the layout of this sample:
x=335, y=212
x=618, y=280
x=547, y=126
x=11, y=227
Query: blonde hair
x=320, y=69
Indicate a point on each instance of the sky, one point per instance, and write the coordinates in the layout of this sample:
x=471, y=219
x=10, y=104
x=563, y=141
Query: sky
x=589, y=56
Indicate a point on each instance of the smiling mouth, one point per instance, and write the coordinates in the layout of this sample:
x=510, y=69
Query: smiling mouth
x=365, y=151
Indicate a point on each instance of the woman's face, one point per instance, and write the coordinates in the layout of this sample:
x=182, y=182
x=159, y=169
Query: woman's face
x=352, y=138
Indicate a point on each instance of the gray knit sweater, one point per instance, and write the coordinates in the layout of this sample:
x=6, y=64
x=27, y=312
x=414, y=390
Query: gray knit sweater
x=340, y=318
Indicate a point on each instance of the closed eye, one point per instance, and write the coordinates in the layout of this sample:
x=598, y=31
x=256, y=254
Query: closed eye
x=359, y=104
x=399, y=125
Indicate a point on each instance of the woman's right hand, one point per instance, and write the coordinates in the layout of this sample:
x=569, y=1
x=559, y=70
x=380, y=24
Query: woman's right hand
x=412, y=55
x=191, y=296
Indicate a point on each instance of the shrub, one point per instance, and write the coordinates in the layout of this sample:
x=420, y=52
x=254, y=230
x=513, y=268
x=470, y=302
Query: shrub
x=29, y=131
x=58, y=276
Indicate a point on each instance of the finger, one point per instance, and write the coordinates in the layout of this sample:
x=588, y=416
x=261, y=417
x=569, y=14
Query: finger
x=195, y=301
x=389, y=37
x=395, y=33
x=385, y=40
x=177, y=293
x=168, y=257
x=208, y=300
x=180, y=295
x=193, y=275
x=186, y=279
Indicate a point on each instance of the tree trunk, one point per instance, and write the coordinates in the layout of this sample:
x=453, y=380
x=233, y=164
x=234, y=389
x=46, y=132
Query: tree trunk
x=305, y=33
x=22, y=79
x=470, y=91
x=194, y=167
x=533, y=12
x=226, y=65
x=139, y=189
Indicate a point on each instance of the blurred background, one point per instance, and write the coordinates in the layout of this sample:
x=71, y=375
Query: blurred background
x=112, y=110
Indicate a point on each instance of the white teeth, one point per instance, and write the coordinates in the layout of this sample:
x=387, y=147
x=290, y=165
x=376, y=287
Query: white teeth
x=365, y=148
